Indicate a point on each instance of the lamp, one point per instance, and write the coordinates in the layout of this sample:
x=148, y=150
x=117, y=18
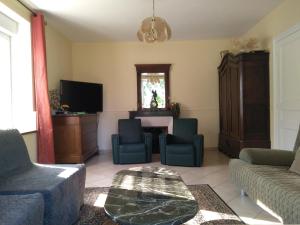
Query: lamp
x=154, y=29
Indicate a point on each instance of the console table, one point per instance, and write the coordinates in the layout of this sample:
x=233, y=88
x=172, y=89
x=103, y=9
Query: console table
x=75, y=137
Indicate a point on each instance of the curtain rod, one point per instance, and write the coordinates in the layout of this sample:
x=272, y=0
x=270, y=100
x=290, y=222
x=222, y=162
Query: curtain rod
x=27, y=7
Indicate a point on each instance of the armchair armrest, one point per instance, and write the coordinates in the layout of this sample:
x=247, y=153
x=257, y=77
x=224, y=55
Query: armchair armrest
x=198, y=142
x=261, y=156
x=115, y=141
x=164, y=139
x=148, y=143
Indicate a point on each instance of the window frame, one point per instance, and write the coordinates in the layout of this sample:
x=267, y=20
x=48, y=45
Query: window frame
x=23, y=115
x=153, y=68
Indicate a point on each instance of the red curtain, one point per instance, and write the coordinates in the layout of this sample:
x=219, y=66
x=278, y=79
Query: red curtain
x=44, y=122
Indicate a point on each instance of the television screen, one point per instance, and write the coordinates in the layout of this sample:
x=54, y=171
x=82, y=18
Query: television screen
x=81, y=96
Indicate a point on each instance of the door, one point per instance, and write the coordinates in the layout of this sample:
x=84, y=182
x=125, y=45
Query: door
x=286, y=69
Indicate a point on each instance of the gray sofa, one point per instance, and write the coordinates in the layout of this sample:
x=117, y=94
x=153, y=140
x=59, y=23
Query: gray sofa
x=21, y=209
x=264, y=175
x=61, y=186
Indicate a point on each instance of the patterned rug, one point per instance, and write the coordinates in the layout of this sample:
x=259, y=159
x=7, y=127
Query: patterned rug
x=212, y=209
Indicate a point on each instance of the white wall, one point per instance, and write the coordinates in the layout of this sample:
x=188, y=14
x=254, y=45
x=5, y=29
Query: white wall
x=59, y=57
x=193, y=79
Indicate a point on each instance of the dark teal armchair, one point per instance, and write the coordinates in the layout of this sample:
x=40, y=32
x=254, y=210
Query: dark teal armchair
x=184, y=147
x=131, y=145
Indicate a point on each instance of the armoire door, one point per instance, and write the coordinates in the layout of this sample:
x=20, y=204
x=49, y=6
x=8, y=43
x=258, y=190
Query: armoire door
x=234, y=91
x=223, y=113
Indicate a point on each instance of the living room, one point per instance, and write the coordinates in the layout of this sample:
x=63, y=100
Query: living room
x=96, y=42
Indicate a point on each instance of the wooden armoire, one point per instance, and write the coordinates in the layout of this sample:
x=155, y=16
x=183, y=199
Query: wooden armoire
x=244, y=102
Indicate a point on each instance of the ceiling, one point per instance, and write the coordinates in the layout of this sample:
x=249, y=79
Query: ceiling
x=119, y=20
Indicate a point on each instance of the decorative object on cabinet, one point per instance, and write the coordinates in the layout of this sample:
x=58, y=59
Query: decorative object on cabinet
x=245, y=45
x=223, y=53
x=175, y=109
x=153, y=102
x=56, y=107
x=54, y=101
x=75, y=137
x=244, y=102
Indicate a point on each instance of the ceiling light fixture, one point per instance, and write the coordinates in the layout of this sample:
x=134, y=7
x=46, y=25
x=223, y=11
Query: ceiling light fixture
x=154, y=29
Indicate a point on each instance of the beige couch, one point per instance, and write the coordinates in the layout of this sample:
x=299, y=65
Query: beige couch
x=264, y=175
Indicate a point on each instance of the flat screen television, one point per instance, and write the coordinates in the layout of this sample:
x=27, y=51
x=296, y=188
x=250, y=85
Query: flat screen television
x=81, y=96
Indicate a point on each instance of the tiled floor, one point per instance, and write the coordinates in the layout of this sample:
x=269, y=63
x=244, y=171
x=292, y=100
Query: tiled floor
x=100, y=171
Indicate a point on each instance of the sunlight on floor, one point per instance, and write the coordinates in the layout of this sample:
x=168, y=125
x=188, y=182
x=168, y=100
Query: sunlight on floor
x=100, y=201
x=257, y=221
x=267, y=209
x=209, y=216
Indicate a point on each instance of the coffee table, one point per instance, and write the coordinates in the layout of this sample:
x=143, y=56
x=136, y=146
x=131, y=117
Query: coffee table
x=149, y=195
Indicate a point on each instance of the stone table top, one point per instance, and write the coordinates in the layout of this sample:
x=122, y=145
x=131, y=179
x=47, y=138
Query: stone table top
x=149, y=195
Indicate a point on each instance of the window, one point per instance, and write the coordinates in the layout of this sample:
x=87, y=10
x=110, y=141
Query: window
x=16, y=89
x=152, y=86
x=5, y=80
x=153, y=82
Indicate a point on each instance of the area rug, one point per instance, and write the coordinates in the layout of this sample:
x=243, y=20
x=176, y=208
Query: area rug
x=212, y=209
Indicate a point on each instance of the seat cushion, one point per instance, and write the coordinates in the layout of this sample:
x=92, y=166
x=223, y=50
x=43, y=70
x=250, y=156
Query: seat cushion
x=180, y=149
x=132, y=153
x=14, y=157
x=132, y=148
x=21, y=209
x=62, y=187
x=130, y=131
x=180, y=155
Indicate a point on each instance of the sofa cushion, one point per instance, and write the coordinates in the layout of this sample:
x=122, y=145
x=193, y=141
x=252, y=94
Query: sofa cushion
x=14, y=157
x=261, y=156
x=184, y=130
x=130, y=131
x=21, y=209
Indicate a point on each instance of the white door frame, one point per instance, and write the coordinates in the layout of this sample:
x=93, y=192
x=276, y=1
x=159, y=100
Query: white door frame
x=276, y=80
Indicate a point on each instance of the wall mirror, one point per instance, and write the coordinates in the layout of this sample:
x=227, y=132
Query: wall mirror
x=152, y=86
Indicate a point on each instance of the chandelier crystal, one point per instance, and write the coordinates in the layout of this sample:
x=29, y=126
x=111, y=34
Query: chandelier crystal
x=154, y=29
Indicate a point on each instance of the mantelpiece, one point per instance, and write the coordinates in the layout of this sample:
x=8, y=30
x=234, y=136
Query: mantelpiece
x=157, y=121
x=133, y=114
x=163, y=118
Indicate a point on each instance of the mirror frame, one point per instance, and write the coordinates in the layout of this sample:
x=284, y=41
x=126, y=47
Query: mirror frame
x=152, y=68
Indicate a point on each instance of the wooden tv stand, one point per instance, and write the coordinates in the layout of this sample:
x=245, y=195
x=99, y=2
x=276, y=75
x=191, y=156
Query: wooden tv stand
x=75, y=137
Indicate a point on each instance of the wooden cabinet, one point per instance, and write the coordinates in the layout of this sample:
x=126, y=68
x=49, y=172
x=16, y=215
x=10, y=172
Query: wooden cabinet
x=75, y=137
x=244, y=102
